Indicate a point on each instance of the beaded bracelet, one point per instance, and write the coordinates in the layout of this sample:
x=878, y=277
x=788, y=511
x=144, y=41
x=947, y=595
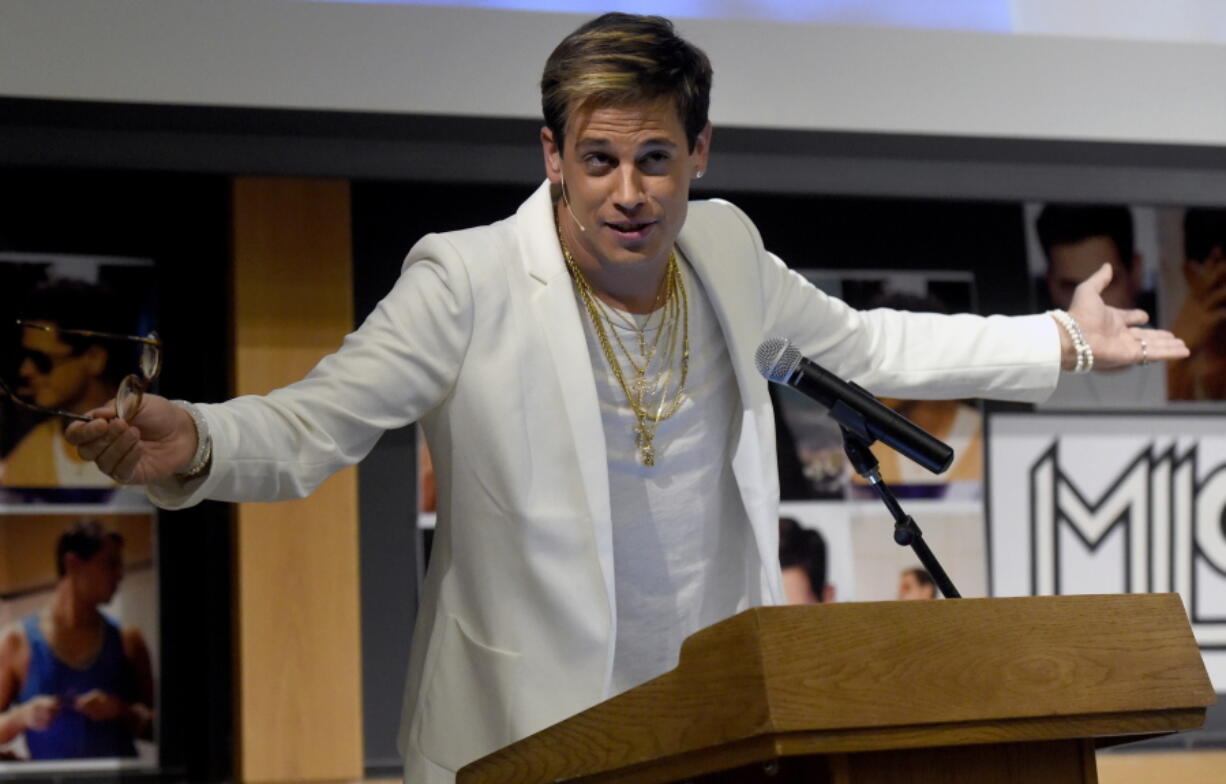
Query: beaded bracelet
x=1085, y=356
x=204, y=442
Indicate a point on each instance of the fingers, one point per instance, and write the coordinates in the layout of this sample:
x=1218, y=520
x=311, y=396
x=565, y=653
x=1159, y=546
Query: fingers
x=1099, y=280
x=93, y=705
x=88, y=700
x=1087, y=305
x=1159, y=345
x=1208, y=277
x=80, y=434
x=1216, y=298
x=103, y=412
x=92, y=438
x=1135, y=317
x=124, y=470
x=40, y=712
x=117, y=451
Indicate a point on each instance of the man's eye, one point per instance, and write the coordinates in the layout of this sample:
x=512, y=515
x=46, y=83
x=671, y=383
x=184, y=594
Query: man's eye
x=596, y=160
x=654, y=161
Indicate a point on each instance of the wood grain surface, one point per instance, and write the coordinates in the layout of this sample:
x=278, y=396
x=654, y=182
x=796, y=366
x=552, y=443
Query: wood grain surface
x=298, y=660
x=832, y=679
x=1053, y=762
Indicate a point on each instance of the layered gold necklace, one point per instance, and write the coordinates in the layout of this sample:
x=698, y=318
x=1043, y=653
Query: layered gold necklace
x=651, y=370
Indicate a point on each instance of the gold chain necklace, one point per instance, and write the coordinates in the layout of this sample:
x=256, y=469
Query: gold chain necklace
x=640, y=330
x=668, y=323
x=676, y=299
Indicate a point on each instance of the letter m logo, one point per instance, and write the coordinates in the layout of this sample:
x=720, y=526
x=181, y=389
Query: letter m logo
x=1058, y=507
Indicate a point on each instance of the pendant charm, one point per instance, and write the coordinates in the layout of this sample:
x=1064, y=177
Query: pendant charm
x=642, y=440
x=643, y=386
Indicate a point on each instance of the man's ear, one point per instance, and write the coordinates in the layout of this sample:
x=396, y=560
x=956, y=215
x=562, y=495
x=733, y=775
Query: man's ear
x=552, y=154
x=702, y=148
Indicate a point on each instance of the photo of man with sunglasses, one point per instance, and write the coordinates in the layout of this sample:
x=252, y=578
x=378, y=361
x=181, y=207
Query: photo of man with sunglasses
x=59, y=369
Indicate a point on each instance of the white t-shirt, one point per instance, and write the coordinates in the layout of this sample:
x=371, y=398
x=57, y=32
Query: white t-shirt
x=683, y=557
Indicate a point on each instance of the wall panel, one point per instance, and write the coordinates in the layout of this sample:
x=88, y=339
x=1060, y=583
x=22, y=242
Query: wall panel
x=299, y=655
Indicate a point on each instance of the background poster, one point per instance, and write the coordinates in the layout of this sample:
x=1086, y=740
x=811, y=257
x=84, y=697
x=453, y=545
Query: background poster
x=1065, y=244
x=1192, y=299
x=814, y=437
x=74, y=547
x=1112, y=503
x=1170, y=262
x=64, y=371
x=863, y=561
x=32, y=587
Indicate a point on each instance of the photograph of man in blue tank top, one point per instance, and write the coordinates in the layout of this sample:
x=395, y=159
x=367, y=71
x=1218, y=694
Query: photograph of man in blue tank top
x=71, y=680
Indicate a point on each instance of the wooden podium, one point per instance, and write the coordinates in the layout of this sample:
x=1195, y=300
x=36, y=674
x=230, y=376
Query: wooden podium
x=969, y=690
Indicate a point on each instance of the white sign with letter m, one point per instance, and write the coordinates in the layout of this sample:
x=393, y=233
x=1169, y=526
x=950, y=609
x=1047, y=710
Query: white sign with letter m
x=1112, y=503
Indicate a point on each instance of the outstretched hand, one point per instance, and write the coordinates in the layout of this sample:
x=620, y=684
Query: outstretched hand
x=159, y=441
x=1116, y=336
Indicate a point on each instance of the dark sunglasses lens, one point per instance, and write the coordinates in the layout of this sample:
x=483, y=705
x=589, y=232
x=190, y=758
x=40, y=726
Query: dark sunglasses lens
x=41, y=362
x=128, y=398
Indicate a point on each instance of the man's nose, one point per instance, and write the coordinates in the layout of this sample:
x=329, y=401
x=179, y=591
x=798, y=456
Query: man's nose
x=629, y=195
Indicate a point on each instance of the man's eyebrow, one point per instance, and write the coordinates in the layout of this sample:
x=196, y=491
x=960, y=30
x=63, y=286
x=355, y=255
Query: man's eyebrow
x=596, y=143
x=661, y=142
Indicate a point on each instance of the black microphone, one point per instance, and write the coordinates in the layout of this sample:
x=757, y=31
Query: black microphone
x=851, y=405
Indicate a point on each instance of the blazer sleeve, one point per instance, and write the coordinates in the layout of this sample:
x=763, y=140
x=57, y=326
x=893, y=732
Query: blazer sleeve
x=401, y=362
x=902, y=354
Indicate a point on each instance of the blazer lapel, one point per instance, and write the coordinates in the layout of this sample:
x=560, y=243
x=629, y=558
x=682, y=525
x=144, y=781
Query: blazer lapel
x=704, y=246
x=558, y=317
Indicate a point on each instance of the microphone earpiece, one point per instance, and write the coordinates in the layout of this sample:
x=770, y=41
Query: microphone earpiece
x=566, y=201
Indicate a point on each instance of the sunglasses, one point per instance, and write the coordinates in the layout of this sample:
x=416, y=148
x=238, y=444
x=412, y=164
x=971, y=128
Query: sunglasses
x=132, y=388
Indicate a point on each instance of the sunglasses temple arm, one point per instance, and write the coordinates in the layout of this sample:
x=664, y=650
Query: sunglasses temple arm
x=4, y=389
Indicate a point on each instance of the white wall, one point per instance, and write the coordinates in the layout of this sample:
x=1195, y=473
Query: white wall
x=361, y=57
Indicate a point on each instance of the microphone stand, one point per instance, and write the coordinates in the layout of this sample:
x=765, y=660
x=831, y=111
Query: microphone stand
x=856, y=444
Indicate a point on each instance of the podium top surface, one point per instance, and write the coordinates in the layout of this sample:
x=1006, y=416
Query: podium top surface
x=879, y=675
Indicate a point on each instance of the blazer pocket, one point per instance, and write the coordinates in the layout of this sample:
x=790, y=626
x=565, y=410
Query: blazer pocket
x=467, y=707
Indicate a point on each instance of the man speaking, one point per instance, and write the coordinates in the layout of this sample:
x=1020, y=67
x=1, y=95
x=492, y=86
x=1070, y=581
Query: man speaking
x=584, y=374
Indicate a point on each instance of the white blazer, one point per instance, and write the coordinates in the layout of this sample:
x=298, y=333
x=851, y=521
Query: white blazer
x=482, y=341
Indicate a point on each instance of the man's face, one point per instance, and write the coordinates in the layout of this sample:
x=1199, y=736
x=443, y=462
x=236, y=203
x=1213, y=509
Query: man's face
x=97, y=578
x=627, y=172
x=910, y=588
x=52, y=376
x=796, y=586
x=1071, y=263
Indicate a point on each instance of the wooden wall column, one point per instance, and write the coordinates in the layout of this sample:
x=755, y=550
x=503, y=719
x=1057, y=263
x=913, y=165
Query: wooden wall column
x=298, y=659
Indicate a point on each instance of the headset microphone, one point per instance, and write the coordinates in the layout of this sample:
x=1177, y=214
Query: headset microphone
x=566, y=201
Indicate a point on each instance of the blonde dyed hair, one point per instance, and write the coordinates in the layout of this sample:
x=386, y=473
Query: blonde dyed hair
x=619, y=59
